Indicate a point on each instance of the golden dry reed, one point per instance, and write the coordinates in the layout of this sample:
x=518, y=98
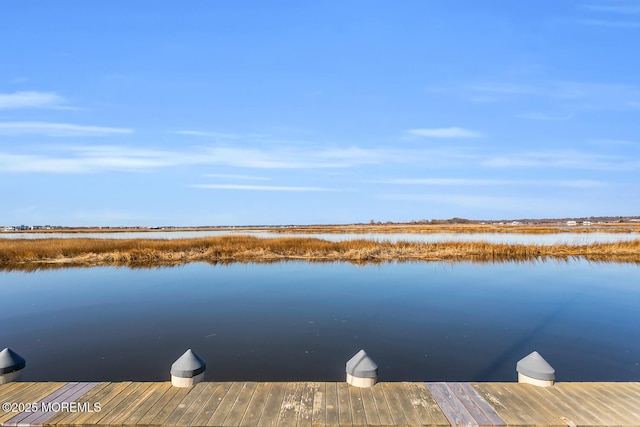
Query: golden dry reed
x=31, y=254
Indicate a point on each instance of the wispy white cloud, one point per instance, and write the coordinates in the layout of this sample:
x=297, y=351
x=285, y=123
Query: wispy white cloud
x=570, y=96
x=234, y=176
x=99, y=158
x=451, y=132
x=608, y=142
x=230, y=138
x=545, y=116
x=206, y=134
x=578, y=183
x=18, y=100
x=505, y=88
x=471, y=182
x=629, y=8
x=258, y=187
x=439, y=181
x=609, y=23
x=58, y=129
x=84, y=163
x=562, y=159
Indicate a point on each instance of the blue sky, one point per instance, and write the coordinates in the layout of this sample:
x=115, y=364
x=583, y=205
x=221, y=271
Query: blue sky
x=293, y=112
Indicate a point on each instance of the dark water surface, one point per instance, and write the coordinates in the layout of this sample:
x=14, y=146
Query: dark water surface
x=298, y=321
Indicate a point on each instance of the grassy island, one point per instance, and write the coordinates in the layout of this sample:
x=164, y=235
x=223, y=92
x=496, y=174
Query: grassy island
x=32, y=254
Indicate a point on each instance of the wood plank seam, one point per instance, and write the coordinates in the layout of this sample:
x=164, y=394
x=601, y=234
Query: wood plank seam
x=47, y=399
x=449, y=403
x=68, y=396
x=482, y=405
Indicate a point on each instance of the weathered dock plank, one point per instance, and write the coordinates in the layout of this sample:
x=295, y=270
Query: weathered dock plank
x=510, y=410
x=256, y=405
x=405, y=405
x=454, y=410
x=475, y=405
x=216, y=396
x=315, y=404
x=384, y=412
x=190, y=413
x=272, y=405
x=225, y=405
x=607, y=408
x=370, y=408
x=67, y=393
x=92, y=396
x=185, y=405
x=564, y=406
x=288, y=415
x=426, y=404
x=345, y=414
x=32, y=393
x=310, y=405
x=394, y=402
x=164, y=406
x=239, y=407
x=357, y=407
x=129, y=397
x=154, y=394
x=331, y=405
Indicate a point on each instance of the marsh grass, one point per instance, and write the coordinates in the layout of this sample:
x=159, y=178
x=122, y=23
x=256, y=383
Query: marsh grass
x=30, y=254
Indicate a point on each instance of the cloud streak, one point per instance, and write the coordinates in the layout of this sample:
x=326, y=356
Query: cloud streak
x=534, y=115
x=620, y=8
x=100, y=158
x=58, y=129
x=19, y=100
x=451, y=132
x=234, y=176
x=562, y=159
x=206, y=134
x=471, y=182
x=609, y=23
x=258, y=187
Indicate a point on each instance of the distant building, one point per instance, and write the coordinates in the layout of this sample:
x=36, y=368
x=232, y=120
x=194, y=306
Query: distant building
x=586, y=222
x=572, y=223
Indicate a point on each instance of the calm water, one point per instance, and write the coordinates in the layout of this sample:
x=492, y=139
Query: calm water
x=297, y=321
x=540, y=239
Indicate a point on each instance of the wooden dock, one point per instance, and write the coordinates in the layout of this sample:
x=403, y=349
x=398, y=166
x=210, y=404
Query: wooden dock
x=319, y=404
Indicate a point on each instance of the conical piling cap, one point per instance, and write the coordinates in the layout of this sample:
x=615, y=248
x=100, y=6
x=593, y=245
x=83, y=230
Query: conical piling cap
x=361, y=366
x=10, y=361
x=188, y=365
x=534, y=366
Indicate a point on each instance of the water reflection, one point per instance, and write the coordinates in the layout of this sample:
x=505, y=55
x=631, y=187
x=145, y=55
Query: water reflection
x=299, y=321
x=506, y=238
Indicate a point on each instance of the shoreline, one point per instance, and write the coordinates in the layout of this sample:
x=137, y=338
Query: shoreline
x=389, y=228
x=31, y=254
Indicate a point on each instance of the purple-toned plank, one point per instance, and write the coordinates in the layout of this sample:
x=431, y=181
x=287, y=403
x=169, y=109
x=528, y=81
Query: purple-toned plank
x=69, y=395
x=469, y=404
x=54, y=394
x=481, y=403
x=455, y=411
